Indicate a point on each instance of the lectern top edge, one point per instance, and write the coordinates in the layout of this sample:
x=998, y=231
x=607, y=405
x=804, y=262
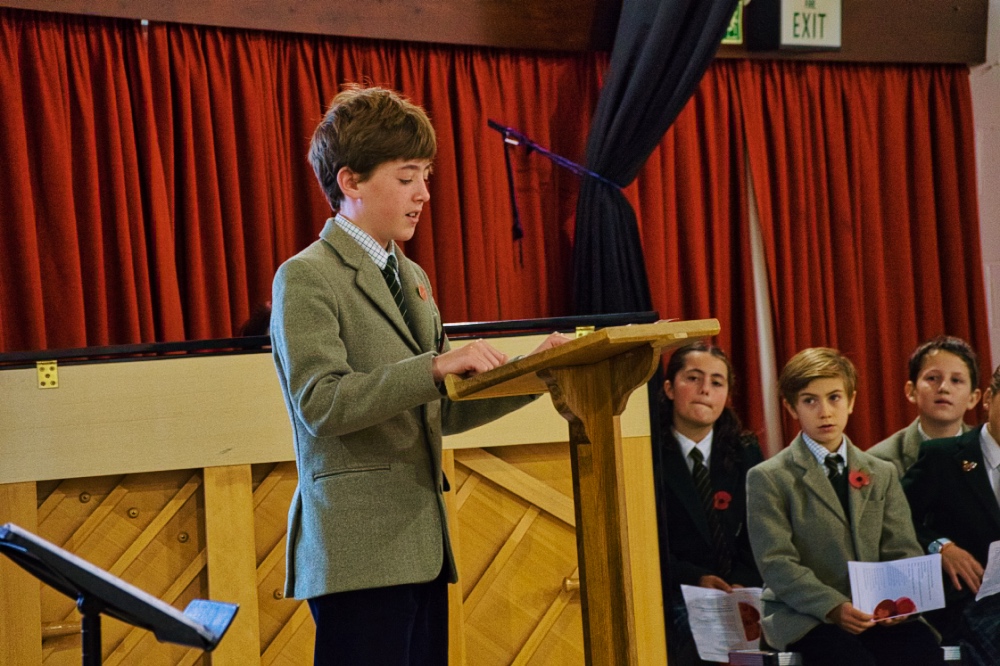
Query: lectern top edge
x=513, y=379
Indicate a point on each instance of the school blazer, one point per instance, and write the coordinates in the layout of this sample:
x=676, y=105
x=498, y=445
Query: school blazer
x=367, y=420
x=802, y=539
x=902, y=447
x=950, y=495
x=686, y=549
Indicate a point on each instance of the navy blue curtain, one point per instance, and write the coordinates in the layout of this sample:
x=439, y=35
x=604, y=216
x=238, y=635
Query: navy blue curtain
x=661, y=51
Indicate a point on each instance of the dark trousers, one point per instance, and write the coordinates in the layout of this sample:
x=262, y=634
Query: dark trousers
x=384, y=626
x=912, y=643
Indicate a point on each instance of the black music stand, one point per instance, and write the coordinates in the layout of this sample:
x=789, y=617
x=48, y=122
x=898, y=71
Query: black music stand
x=202, y=624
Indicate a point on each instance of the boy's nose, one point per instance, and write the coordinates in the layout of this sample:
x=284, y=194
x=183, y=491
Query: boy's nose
x=423, y=194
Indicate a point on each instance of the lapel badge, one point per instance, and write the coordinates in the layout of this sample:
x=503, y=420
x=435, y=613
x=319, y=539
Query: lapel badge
x=422, y=292
x=968, y=465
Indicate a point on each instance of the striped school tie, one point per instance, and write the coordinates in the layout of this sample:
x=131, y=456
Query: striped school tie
x=392, y=280
x=703, y=484
x=838, y=479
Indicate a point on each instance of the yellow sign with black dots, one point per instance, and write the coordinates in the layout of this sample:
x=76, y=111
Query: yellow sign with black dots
x=48, y=374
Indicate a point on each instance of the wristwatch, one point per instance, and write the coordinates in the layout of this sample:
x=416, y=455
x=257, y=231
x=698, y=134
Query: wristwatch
x=935, y=546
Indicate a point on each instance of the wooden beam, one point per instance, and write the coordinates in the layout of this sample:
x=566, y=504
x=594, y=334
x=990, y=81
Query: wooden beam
x=20, y=593
x=916, y=31
x=232, y=567
x=520, y=24
x=899, y=31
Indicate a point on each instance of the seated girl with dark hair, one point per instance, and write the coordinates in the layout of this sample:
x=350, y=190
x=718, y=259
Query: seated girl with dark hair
x=700, y=468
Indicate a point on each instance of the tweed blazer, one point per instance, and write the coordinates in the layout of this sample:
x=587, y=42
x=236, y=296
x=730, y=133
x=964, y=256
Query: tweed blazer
x=802, y=539
x=902, y=447
x=367, y=420
x=686, y=548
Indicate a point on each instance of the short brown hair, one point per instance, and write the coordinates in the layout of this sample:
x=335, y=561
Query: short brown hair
x=948, y=343
x=364, y=128
x=815, y=363
x=995, y=381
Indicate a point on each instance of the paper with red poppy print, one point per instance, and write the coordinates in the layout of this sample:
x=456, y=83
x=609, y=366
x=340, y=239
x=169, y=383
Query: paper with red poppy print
x=723, y=621
x=899, y=587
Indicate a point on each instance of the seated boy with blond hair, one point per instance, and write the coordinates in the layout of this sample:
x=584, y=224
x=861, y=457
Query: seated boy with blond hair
x=944, y=385
x=815, y=506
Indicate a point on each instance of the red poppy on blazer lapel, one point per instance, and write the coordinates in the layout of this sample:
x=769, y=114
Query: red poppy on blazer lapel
x=858, y=478
x=721, y=500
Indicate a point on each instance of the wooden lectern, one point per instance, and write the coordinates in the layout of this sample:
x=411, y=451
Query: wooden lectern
x=590, y=379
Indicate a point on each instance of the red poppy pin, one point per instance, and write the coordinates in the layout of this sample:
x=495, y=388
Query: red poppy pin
x=422, y=291
x=858, y=478
x=721, y=500
x=968, y=465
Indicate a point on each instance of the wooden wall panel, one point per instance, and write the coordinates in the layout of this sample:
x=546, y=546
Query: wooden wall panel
x=166, y=532
x=232, y=567
x=515, y=553
x=884, y=31
x=897, y=31
x=520, y=24
x=20, y=604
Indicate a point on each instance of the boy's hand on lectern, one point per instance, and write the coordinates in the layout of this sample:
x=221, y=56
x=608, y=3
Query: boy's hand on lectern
x=471, y=359
x=553, y=340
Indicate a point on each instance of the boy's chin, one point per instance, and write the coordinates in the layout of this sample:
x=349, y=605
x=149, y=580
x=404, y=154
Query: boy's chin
x=404, y=234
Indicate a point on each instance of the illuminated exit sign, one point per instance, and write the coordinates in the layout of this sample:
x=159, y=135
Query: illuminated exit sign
x=793, y=24
x=810, y=24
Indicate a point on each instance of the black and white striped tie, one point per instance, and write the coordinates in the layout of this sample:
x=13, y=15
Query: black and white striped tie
x=838, y=479
x=392, y=279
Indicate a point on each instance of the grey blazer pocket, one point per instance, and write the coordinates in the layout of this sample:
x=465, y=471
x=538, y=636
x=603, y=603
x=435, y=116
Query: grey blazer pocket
x=360, y=469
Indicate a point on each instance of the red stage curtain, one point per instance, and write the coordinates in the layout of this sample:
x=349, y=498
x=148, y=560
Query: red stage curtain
x=865, y=179
x=162, y=170
x=691, y=203
x=154, y=178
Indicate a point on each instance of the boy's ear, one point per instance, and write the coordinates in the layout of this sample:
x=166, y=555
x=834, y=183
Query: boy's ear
x=791, y=410
x=974, y=398
x=911, y=392
x=348, y=182
x=668, y=388
x=850, y=404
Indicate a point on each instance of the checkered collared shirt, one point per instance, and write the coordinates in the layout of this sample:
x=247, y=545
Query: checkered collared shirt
x=820, y=452
x=364, y=239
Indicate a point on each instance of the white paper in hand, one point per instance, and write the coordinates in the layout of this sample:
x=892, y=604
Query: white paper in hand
x=899, y=587
x=723, y=621
x=991, y=577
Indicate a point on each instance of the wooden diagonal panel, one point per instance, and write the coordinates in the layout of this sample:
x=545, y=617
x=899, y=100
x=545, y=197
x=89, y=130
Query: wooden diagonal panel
x=519, y=483
x=541, y=632
x=513, y=572
x=523, y=590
